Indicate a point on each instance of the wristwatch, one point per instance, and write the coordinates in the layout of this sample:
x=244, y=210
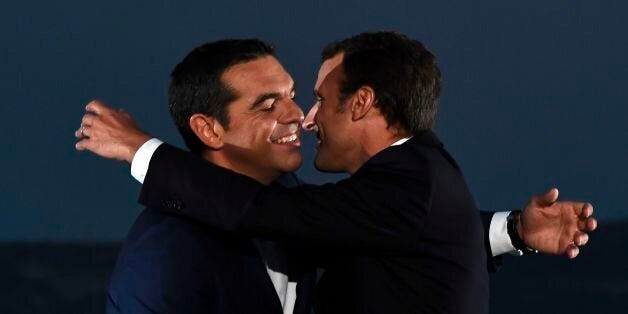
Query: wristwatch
x=511, y=226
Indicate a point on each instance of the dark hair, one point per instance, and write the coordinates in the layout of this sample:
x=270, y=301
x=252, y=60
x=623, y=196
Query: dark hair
x=401, y=71
x=196, y=85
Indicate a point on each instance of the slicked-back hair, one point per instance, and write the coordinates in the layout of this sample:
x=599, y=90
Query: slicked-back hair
x=196, y=85
x=401, y=71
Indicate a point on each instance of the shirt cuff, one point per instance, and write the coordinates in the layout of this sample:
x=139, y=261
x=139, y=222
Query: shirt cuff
x=498, y=234
x=141, y=160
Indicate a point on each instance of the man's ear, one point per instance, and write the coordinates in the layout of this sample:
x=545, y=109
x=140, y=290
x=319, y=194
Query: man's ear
x=208, y=130
x=362, y=102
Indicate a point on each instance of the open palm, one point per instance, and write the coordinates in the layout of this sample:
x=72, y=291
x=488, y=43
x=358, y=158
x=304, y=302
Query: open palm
x=556, y=227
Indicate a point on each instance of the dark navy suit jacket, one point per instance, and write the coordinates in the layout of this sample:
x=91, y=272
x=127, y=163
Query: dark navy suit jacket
x=402, y=235
x=171, y=264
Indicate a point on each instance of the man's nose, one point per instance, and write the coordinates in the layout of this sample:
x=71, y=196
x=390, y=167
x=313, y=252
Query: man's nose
x=292, y=114
x=308, y=123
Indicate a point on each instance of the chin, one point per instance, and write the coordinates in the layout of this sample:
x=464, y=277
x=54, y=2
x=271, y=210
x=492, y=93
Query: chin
x=323, y=166
x=291, y=164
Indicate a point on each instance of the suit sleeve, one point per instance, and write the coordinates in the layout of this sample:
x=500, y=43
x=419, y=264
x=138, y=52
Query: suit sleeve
x=376, y=210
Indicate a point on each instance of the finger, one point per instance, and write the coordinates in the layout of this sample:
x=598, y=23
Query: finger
x=82, y=131
x=572, y=251
x=587, y=211
x=97, y=107
x=591, y=224
x=580, y=238
x=85, y=130
x=82, y=145
x=78, y=133
x=88, y=119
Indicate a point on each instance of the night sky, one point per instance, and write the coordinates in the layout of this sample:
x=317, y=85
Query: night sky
x=534, y=94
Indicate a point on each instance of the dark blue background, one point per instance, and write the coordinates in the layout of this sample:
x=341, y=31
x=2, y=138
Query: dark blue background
x=534, y=94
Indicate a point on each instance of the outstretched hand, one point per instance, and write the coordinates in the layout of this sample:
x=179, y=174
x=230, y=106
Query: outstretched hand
x=556, y=227
x=109, y=133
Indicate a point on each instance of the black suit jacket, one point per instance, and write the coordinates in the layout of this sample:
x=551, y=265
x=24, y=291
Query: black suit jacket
x=172, y=264
x=402, y=235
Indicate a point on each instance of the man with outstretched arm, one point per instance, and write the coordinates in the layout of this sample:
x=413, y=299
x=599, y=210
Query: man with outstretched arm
x=403, y=226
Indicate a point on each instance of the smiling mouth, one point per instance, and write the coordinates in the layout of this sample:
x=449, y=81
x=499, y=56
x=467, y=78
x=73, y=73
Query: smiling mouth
x=286, y=133
x=287, y=139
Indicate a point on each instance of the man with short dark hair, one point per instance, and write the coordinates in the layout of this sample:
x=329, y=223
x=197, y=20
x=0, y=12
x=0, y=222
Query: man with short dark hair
x=172, y=264
x=402, y=234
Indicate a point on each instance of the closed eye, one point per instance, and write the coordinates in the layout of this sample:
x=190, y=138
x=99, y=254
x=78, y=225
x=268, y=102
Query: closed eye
x=269, y=105
x=318, y=97
x=319, y=101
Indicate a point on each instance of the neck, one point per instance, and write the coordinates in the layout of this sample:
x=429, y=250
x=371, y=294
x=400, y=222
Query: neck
x=373, y=138
x=220, y=159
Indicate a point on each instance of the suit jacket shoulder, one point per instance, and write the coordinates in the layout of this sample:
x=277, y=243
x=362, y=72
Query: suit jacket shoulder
x=170, y=264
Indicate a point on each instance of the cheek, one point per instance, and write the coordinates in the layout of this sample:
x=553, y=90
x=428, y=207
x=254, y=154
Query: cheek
x=261, y=131
x=331, y=123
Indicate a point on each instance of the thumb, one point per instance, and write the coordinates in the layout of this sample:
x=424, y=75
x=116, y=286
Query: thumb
x=548, y=198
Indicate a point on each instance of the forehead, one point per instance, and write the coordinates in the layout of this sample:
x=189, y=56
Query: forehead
x=257, y=76
x=327, y=67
